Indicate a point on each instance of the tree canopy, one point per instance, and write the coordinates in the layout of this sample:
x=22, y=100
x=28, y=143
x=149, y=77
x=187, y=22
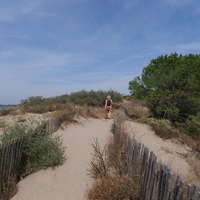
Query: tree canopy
x=171, y=84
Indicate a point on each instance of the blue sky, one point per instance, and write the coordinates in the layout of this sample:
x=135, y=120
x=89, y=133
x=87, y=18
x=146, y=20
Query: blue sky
x=54, y=47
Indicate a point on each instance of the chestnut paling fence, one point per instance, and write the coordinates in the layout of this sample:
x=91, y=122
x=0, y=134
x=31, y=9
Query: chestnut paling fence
x=11, y=153
x=155, y=177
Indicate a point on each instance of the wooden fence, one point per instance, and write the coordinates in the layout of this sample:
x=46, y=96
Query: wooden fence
x=11, y=152
x=155, y=177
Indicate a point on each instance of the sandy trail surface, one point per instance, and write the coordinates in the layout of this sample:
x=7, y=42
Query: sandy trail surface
x=69, y=181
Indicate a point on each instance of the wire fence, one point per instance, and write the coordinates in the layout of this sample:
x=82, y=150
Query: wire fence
x=155, y=177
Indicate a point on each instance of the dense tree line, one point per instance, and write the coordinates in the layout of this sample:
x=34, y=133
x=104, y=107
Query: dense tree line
x=91, y=98
x=171, y=86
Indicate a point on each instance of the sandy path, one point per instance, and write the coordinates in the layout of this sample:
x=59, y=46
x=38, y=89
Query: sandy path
x=69, y=181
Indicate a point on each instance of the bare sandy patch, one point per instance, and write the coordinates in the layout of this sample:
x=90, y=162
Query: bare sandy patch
x=10, y=120
x=171, y=152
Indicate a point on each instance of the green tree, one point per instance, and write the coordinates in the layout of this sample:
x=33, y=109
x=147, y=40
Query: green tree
x=34, y=100
x=171, y=84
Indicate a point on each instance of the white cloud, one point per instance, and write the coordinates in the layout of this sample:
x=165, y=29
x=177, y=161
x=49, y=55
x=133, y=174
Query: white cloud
x=188, y=48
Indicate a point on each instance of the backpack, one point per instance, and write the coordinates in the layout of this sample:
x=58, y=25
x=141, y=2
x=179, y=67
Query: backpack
x=108, y=102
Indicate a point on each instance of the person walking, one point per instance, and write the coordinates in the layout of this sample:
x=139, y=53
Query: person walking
x=108, y=106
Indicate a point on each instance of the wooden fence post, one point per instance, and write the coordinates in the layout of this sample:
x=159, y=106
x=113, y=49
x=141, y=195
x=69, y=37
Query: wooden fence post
x=144, y=171
x=168, y=184
x=160, y=185
x=193, y=192
x=178, y=189
x=152, y=177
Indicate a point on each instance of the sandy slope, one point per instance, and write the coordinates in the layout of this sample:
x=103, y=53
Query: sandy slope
x=171, y=152
x=28, y=117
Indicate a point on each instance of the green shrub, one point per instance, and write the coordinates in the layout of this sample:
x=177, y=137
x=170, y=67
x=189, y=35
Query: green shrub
x=161, y=127
x=40, y=151
x=90, y=98
x=2, y=124
x=191, y=126
x=15, y=131
x=5, y=112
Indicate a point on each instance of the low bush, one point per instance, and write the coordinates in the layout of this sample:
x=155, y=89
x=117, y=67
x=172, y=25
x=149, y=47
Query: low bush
x=138, y=111
x=17, y=130
x=44, y=107
x=162, y=128
x=2, y=124
x=5, y=112
x=164, y=132
x=41, y=150
x=191, y=126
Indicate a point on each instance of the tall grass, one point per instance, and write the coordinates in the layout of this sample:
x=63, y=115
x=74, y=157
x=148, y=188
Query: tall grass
x=109, y=169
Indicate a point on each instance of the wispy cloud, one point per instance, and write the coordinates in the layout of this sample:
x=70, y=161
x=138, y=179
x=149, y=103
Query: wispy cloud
x=59, y=46
x=188, y=47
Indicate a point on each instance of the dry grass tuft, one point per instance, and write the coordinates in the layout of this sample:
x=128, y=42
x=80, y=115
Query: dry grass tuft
x=164, y=132
x=46, y=107
x=194, y=163
x=113, y=187
x=137, y=110
x=98, y=165
x=117, y=156
x=9, y=190
x=109, y=169
x=6, y=112
x=90, y=112
x=195, y=143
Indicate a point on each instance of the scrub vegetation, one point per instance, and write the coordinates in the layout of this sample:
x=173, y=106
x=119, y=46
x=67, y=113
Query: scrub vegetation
x=108, y=168
x=39, y=104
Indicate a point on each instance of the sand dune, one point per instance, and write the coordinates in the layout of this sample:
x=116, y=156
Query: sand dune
x=70, y=181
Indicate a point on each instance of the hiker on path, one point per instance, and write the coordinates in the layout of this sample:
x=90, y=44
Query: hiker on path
x=108, y=106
